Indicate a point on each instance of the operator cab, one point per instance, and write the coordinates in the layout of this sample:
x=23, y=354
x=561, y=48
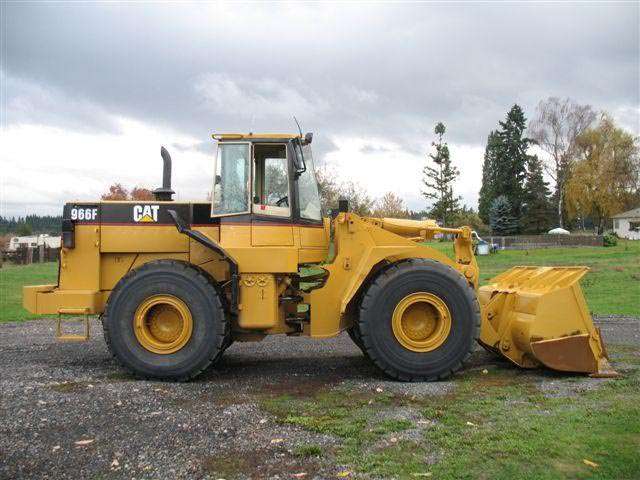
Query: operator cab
x=266, y=175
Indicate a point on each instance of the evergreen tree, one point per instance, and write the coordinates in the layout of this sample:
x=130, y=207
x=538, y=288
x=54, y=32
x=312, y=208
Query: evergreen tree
x=505, y=169
x=501, y=218
x=512, y=160
x=24, y=230
x=468, y=216
x=439, y=180
x=34, y=223
x=487, y=191
x=538, y=212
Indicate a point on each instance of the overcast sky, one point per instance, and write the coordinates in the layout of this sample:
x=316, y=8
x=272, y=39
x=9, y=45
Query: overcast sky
x=90, y=92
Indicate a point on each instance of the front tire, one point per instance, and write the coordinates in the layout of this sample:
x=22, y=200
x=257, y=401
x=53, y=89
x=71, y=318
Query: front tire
x=354, y=335
x=165, y=320
x=419, y=320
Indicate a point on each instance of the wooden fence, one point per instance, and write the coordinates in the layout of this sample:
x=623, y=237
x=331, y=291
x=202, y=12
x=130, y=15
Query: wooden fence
x=526, y=242
x=26, y=255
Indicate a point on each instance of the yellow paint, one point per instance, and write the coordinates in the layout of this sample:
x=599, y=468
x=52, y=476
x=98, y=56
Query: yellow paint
x=281, y=236
x=421, y=322
x=80, y=266
x=524, y=310
x=113, y=266
x=525, y=305
x=49, y=299
x=143, y=258
x=163, y=324
x=142, y=239
x=312, y=255
x=259, y=301
x=199, y=254
x=313, y=237
x=360, y=247
x=253, y=136
x=266, y=259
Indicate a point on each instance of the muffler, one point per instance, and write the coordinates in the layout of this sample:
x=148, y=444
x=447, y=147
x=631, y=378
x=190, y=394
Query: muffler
x=164, y=193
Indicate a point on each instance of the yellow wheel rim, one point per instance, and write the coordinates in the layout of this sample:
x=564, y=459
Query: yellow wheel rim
x=163, y=324
x=421, y=322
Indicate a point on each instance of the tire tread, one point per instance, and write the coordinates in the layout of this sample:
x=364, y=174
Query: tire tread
x=196, y=275
x=379, y=283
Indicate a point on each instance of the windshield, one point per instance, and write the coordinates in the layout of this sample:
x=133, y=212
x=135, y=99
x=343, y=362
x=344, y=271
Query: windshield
x=309, y=198
x=231, y=180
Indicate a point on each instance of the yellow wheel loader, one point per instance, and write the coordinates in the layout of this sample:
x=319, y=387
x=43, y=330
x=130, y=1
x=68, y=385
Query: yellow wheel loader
x=176, y=283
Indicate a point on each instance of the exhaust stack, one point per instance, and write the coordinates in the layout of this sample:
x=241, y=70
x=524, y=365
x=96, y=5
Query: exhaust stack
x=165, y=193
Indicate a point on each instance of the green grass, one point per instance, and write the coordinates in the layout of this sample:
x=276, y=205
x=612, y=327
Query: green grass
x=353, y=419
x=495, y=426
x=519, y=433
x=12, y=278
x=612, y=285
x=306, y=451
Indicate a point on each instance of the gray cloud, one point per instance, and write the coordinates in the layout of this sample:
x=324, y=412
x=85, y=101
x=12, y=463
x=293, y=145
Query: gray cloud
x=376, y=69
x=388, y=71
x=373, y=149
x=34, y=104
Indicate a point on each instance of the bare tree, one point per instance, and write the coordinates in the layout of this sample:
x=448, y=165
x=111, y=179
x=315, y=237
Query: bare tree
x=142, y=194
x=118, y=192
x=331, y=191
x=359, y=200
x=328, y=189
x=557, y=124
x=606, y=175
x=391, y=206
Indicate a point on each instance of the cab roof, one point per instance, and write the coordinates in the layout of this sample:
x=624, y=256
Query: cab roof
x=221, y=137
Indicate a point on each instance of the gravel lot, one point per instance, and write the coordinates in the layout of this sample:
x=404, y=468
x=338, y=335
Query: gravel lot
x=68, y=411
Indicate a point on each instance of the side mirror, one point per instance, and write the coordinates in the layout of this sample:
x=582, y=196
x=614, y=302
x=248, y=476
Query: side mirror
x=308, y=137
x=218, y=179
x=298, y=159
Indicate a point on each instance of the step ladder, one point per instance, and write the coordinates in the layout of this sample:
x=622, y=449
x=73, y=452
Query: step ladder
x=83, y=337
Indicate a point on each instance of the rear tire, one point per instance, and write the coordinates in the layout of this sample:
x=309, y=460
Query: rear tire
x=447, y=340
x=197, y=332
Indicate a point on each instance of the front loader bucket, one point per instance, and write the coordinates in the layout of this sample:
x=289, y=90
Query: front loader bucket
x=538, y=316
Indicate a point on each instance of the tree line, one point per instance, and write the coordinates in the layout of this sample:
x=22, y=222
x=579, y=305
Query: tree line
x=37, y=224
x=569, y=167
x=593, y=163
x=31, y=225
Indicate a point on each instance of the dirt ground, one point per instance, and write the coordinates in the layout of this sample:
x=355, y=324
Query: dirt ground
x=69, y=411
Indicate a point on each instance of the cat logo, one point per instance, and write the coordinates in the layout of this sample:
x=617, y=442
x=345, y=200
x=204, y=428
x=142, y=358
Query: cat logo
x=145, y=213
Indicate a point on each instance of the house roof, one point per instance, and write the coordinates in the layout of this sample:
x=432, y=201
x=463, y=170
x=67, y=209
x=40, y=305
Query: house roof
x=629, y=214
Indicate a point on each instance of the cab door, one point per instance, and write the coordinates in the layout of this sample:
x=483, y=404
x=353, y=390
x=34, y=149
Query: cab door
x=271, y=223
x=314, y=238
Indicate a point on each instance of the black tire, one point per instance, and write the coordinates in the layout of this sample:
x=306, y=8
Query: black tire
x=210, y=333
x=354, y=334
x=380, y=300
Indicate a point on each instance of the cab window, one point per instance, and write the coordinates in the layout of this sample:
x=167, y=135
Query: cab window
x=231, y=180
x=309, y=197
x=271, y=180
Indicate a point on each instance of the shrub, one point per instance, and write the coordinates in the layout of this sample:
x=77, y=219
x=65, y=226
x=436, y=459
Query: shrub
x=610, y=239
x=501, y=219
